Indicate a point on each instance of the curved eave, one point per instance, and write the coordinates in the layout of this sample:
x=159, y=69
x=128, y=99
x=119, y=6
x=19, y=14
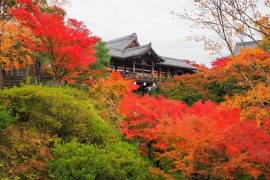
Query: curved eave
x=176, y=67
x=156, y=55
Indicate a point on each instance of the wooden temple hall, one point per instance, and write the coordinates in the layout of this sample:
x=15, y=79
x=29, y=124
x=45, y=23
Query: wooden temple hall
x=142, y=63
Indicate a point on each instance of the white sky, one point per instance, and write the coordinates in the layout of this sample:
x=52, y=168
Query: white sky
x=150, y=19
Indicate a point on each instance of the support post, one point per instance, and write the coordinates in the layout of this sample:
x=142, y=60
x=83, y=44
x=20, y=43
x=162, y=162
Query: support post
x=175, y=73
x=152, y=69
x=159, y=73
x=168, y=73
x=134, y=68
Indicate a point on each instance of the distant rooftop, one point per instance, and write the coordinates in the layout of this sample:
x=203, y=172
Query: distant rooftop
x=176, y=62
x=245, y=45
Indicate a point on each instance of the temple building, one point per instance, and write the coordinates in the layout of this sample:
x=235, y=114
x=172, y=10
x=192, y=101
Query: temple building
x=142, y=63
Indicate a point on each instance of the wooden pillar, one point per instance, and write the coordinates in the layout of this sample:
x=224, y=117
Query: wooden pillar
x=152, y=69
x=159, y=73
x=168, y=73
x=175, y=73
x=115, y=68
x=111, y=65
x=134, y=68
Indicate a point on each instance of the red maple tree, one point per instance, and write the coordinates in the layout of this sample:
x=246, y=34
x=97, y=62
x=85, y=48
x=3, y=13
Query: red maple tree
x=204, y=139
x=67, y=45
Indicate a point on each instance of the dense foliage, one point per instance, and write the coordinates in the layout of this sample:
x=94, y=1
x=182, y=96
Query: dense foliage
x=43, y=122
x=205, y=140
x=61, y=41
x=192, y=88
x=107, y=93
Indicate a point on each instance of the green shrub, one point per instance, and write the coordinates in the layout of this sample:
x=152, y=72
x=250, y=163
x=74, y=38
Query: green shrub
x=5, y=118
x=56, y=115
x=61, y=111
x=81, y=161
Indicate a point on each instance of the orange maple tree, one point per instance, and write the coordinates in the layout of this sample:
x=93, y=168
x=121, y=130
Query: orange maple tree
x=106, y=94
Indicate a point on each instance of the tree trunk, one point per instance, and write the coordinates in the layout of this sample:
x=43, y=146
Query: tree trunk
x=54, y=81
x=1, y=77
x=27, y=71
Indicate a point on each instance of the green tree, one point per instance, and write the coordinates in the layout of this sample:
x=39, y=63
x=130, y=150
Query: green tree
x=81, y=161
x=102, y=57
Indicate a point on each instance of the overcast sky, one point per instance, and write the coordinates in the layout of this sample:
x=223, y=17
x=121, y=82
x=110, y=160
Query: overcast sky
x=150, y=19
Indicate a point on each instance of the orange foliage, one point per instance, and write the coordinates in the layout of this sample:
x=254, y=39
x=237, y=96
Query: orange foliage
x=107, y=92
x=12, y=51
x=205, y=139
x=254, y=104
x=251, y=67
x=24, y=151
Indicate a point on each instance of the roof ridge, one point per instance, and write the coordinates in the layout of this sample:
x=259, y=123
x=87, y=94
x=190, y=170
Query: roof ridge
x=248, y=42
x=133, y=48
x=133, y=35
x=139, y=47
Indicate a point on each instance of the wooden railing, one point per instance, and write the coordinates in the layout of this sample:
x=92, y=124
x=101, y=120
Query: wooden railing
x=10, y=81
x=145, y=76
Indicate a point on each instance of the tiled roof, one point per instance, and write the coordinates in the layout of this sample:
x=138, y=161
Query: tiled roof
x=123, y=42
x=130, y=52
x=243, y=45
x=176, y=63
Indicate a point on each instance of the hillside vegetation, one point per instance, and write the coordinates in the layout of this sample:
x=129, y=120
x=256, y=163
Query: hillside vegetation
x=54, y=132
